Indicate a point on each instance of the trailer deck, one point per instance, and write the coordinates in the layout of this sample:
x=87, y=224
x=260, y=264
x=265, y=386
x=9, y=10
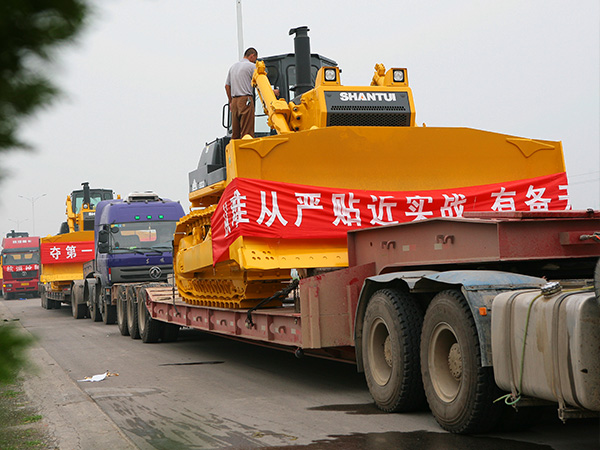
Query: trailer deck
x=323, y=326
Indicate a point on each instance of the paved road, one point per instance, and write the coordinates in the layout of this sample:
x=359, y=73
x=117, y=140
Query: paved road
x=206, y=392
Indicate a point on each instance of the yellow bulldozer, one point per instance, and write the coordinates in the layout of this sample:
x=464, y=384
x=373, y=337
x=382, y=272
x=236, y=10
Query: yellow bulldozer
x=63, y=254
x=334, y=158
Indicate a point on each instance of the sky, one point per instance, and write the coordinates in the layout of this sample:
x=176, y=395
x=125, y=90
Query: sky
x=144, y=85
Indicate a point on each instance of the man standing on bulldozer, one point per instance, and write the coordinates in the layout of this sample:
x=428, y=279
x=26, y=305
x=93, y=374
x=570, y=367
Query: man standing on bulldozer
x=239, y=92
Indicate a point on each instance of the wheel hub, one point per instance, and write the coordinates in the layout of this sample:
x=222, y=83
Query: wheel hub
x=387, y=351
x=445, y=362
x=381, y=358
x=455, y=361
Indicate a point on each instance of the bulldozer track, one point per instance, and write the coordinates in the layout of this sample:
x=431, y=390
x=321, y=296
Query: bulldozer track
x=224, y=287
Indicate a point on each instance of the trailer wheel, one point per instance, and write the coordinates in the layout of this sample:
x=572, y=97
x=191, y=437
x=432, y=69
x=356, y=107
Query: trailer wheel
x=109, y=314
x=107, y=311
x=150, y=329
x=132, y=313
x=390, y=342
x=460, y=392
x=78, y=309
x=48, y=303
x=43, y=299
x=95, y=306
x=170, y=332
x=122, y=311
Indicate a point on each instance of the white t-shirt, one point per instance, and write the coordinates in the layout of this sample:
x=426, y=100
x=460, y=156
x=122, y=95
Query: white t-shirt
x=239, y=78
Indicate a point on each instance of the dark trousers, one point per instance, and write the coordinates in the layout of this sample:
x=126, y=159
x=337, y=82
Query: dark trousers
x=242, y=117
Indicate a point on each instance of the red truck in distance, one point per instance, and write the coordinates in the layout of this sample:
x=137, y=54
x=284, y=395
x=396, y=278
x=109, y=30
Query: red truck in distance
x=20, y=265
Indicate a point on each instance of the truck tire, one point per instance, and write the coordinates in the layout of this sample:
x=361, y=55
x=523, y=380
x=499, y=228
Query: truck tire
x=132, y=313
x=79, y=309
x=460, y=392
x=95, y=306
x=390, y=342
x=150, y=329
x=170, y=332
x=109, y=314
x=122, y=311
x=43, y=300
x=48, y=303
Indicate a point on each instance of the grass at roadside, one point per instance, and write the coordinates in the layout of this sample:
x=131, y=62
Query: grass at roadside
x=21, y=426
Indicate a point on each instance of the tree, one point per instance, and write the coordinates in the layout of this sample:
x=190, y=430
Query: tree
x=30, y=32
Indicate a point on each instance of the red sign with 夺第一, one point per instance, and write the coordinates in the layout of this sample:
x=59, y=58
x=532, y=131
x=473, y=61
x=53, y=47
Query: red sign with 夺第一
x=65, y=252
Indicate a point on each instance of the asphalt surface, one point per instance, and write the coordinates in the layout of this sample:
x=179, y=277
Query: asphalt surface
x=206, y=392
x=72, y=417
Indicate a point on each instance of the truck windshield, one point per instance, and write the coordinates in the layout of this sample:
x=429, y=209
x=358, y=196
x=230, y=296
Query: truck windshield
x=21, y=258
x=141, y=237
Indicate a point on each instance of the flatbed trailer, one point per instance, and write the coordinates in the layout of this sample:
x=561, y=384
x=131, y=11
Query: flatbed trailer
x=321, y=326
x=409, y=269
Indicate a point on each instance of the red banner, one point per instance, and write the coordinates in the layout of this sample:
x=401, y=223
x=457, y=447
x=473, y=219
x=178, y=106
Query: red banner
x=21, y=268
x=22, y=242
x=270, y=209
x=66, y=252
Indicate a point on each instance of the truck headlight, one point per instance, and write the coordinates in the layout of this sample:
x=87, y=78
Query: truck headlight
x=398, y=76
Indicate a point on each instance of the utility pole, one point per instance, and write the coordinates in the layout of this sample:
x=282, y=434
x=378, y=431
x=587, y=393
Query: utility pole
x=18, y=222
x=240, y=29
x=32, y=200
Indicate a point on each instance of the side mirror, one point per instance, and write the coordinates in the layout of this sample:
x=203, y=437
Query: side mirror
x=102, y=237
x=103, y=247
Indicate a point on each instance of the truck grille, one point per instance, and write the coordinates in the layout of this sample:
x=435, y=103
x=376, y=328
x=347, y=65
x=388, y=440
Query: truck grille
x=141, y=273
x=26, y=275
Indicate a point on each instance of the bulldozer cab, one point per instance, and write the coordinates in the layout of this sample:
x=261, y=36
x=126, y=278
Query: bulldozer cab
x=281, y=71
x=96, y=195
x=81, y=205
